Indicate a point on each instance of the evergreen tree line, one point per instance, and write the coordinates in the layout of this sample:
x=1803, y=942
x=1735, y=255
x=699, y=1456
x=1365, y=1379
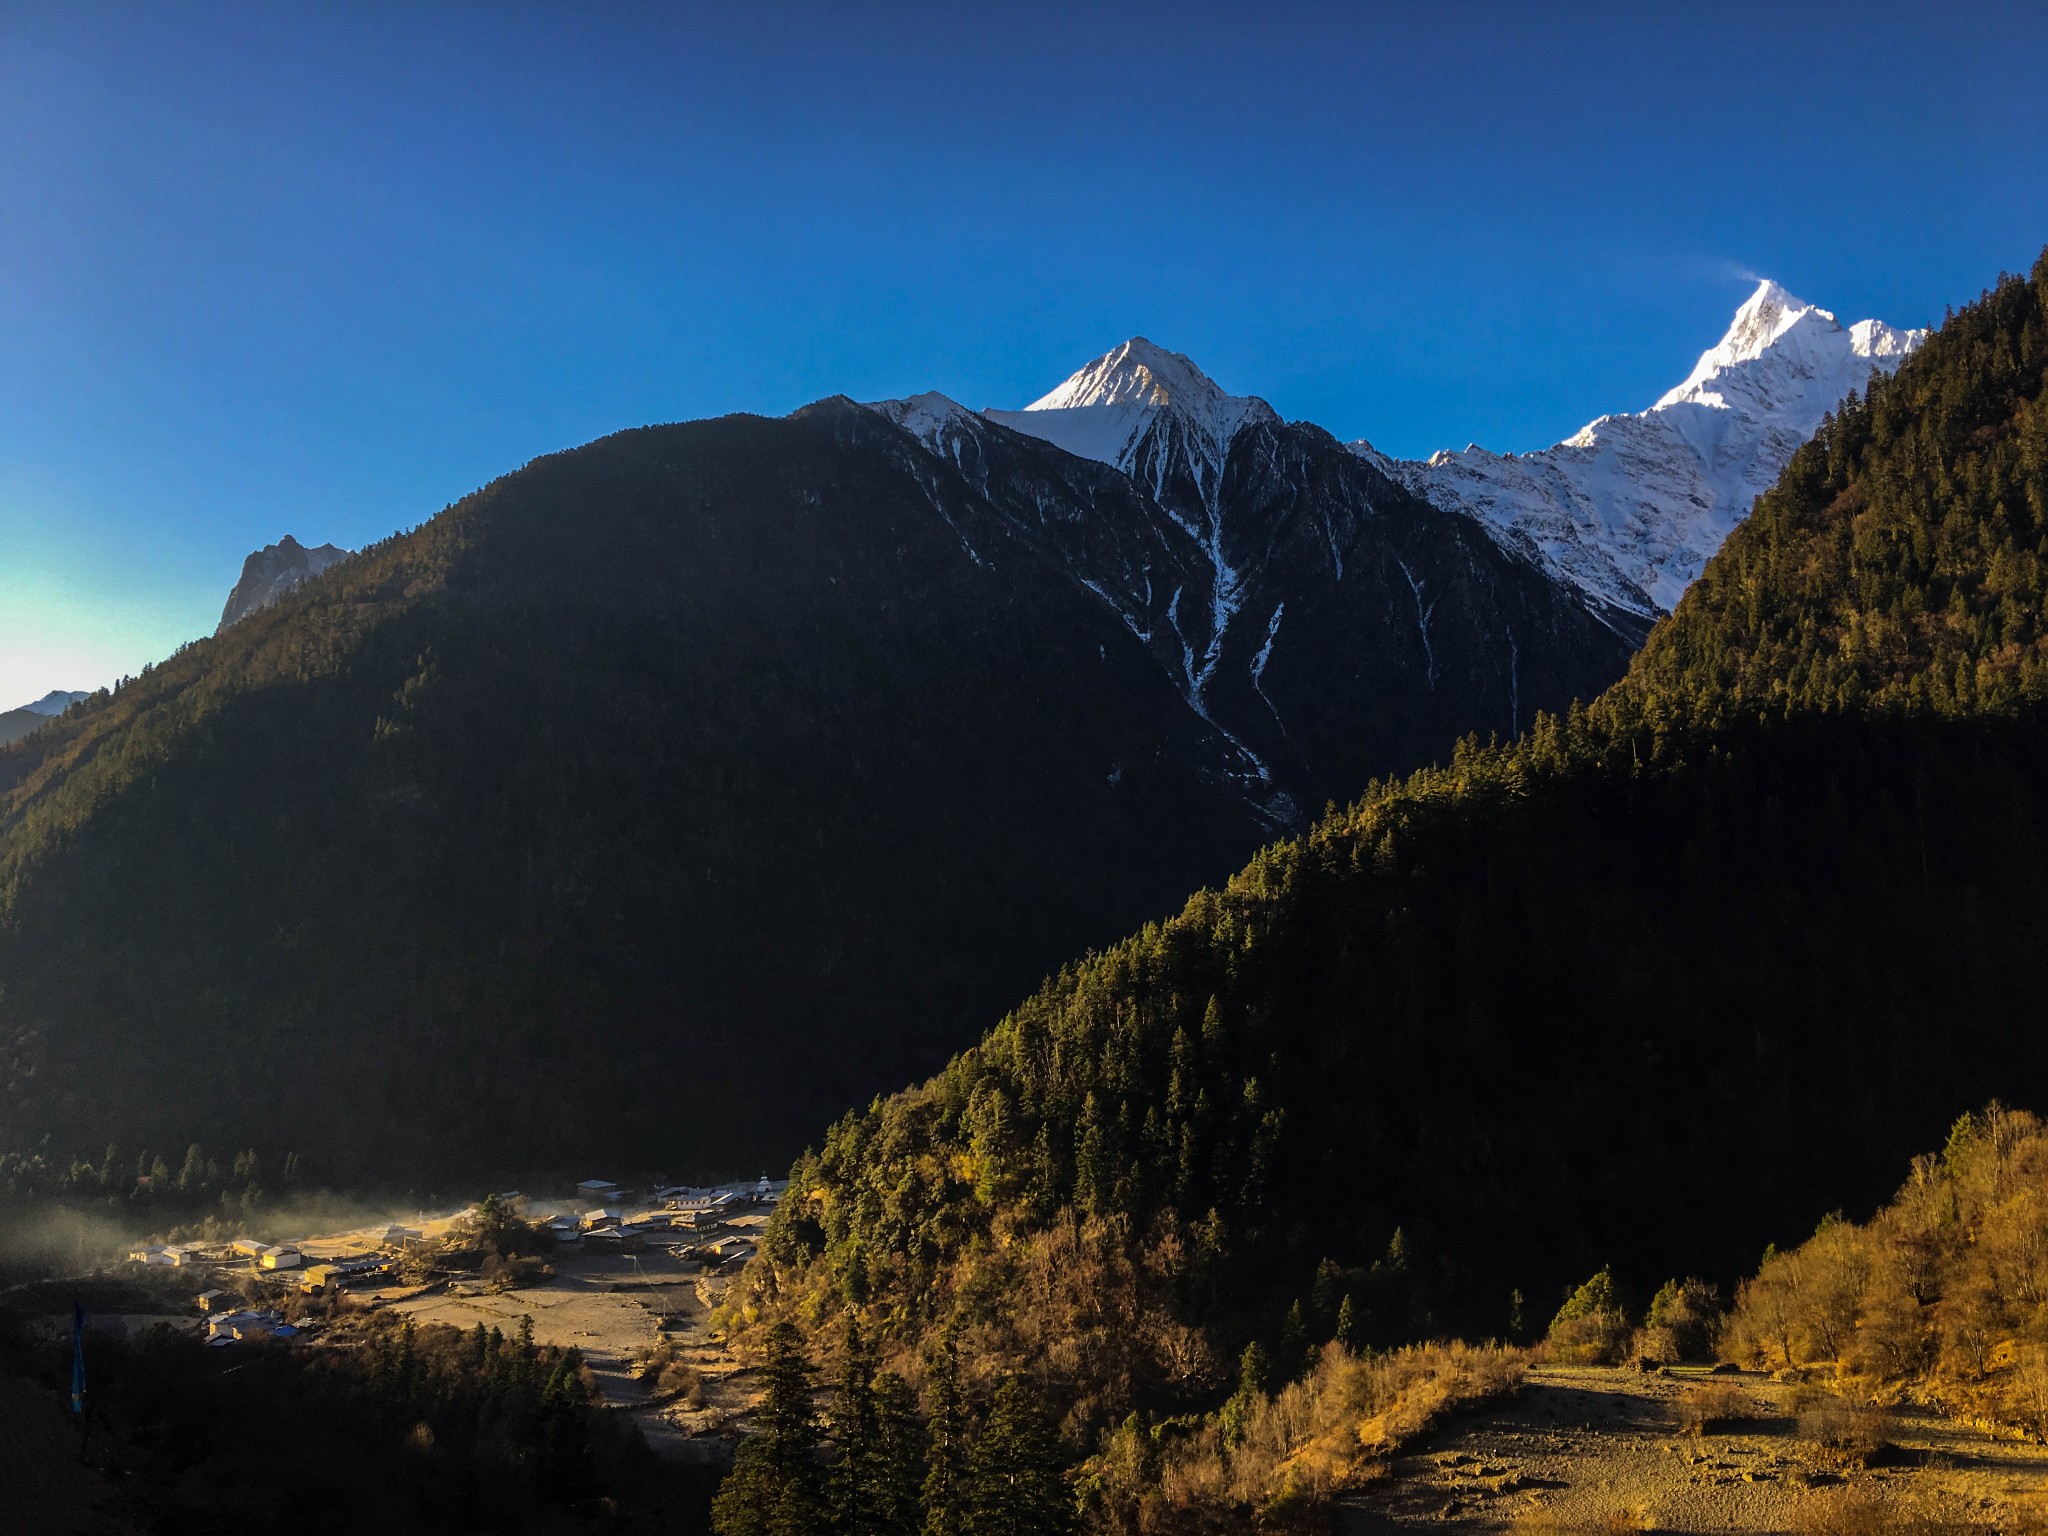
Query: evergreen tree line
x=883, y=1464
x=388, y=1426
x=149, y=1180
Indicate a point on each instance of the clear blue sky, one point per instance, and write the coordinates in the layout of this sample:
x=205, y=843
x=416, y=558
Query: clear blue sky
x=322, y=270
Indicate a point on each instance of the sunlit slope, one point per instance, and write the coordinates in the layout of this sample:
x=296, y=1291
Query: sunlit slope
x=1648, y=987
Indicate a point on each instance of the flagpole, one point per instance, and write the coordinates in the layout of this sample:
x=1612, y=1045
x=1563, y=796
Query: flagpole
x=78, y=1375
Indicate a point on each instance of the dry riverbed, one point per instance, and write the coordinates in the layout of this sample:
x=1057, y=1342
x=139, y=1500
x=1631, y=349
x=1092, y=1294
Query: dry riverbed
x=616, y=1308
x=1592, y=1448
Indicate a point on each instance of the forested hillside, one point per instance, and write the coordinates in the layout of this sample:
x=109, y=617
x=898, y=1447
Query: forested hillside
x=1647, y=987
x=656, y=802
x=1900, y=563
x=553, y=831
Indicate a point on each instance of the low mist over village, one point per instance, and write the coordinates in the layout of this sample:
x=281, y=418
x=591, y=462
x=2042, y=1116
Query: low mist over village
x=623, y=1278
x=1247, y=769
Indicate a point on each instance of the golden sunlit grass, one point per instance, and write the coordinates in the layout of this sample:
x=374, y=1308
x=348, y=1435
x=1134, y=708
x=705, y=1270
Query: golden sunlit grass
x=1334, y=1428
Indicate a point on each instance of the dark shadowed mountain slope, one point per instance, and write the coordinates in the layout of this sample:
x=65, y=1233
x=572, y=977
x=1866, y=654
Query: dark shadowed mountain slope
x=657, y=801
x=648, y=802
x=1325, y=623
x=16, y=723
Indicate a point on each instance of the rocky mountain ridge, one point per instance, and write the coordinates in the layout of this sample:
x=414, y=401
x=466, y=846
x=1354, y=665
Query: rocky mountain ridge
x=1321, y=620
x=271, y=572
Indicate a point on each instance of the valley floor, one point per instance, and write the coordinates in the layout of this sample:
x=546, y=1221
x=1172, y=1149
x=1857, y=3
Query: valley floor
x=1581, y=1447
x=614, y=1308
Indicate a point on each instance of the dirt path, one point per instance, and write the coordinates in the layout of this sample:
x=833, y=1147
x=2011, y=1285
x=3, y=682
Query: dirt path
x=1582, y=1446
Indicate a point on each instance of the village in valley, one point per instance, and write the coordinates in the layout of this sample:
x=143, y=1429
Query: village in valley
x=627, y=1278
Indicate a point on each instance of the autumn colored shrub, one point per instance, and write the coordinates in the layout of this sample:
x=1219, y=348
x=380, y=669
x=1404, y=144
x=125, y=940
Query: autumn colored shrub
x=1853, y=1512
x=1591, y=1328
x=1544, y=1522
x=1841, y=1430
x=1300, y=1446
x=1936, y=1295
x=1683, y=1323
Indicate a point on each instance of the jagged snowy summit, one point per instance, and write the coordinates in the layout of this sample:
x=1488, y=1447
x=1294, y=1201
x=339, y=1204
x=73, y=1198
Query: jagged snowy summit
x=1151, y=413
x=1154, y=416
x=1631, y=507
x=1627, y=511
x=1109, y=411
x=931, y=418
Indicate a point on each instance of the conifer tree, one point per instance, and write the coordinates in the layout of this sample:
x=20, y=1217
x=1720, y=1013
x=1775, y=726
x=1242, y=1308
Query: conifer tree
x=1294, y=1344
x=946, y=1471
x=1347, y=1324
x=1094, y=1160
x=527, y=1353
x=774, y=1488
x=1015, y=1484
x=1253, y=1369
x=1329, y=1286
x=566, y=1472
x=856, y=1477
x=897, y=1491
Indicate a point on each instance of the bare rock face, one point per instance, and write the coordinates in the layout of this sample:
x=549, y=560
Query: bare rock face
x=273, y=571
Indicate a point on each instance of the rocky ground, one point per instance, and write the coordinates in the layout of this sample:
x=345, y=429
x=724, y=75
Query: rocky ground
x=1601, y=1449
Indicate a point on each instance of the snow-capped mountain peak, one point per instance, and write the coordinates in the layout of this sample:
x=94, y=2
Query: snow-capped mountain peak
x=926, y=417
x=1631, y=507
x=1138, y=372
x=1763, y=318
x=1108, y=409
x=1873, y=338
x=1159, y=419
x=1780, y=351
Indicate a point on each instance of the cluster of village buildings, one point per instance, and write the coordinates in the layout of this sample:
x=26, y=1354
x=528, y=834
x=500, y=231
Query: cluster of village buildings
x=601, y=1217
x=611, y=1219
